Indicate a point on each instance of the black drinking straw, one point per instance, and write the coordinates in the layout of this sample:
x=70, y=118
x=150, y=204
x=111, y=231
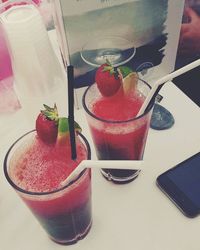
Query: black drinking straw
x=70, y=77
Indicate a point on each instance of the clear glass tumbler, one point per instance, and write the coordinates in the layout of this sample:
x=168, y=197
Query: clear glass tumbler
x=118, y=139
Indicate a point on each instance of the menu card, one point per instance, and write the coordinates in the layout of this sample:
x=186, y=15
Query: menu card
x=138, y=33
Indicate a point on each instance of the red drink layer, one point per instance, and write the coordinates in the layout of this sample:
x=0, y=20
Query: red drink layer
x=124, y=140
x=38, y=168
x=119, y=107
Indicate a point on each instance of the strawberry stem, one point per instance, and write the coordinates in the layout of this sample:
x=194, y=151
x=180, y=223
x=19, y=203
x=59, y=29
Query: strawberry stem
x=50, y=113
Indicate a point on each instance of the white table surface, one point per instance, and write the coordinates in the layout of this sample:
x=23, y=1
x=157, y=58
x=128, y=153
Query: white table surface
x=131, y=216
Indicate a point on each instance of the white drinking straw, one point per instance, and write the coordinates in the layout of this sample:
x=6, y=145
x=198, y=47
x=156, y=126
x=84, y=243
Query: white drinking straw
x=112, y=164
x=159, y=83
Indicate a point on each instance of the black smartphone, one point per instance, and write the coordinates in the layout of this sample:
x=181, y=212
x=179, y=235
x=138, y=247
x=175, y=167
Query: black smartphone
x=182, y=185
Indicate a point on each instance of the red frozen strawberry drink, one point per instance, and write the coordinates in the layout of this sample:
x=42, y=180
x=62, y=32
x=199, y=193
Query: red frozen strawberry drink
x=111, y=106
x=37, y=165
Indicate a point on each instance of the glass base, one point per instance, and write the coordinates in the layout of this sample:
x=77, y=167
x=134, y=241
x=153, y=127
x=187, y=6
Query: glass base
x=120, y=176
x=75, y=240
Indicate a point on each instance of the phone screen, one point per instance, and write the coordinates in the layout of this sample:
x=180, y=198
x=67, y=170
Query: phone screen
x=182, y=185
x=187, y=179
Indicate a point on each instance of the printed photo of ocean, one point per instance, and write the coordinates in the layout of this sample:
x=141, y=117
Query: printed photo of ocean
x=128, y=33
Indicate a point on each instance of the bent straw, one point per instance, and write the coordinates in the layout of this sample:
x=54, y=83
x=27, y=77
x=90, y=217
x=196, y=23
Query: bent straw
x=159, y=83
x=112, y=164
x=70, y=76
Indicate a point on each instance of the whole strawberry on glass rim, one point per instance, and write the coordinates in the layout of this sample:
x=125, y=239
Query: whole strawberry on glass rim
x=47, y=124
x=110, y=79
x=51, y=128
x=107, y=79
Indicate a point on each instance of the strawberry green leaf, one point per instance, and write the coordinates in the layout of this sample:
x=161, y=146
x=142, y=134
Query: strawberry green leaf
x=125, y=71
x=107, y=68
x=108, y=62
x=50, y=113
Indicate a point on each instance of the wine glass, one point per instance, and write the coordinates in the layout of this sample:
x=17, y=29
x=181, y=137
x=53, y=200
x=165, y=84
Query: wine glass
x=115, y=49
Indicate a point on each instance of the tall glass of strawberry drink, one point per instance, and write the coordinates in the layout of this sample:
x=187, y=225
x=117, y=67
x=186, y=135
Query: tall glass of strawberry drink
x=111, y=106
x=36, y=166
